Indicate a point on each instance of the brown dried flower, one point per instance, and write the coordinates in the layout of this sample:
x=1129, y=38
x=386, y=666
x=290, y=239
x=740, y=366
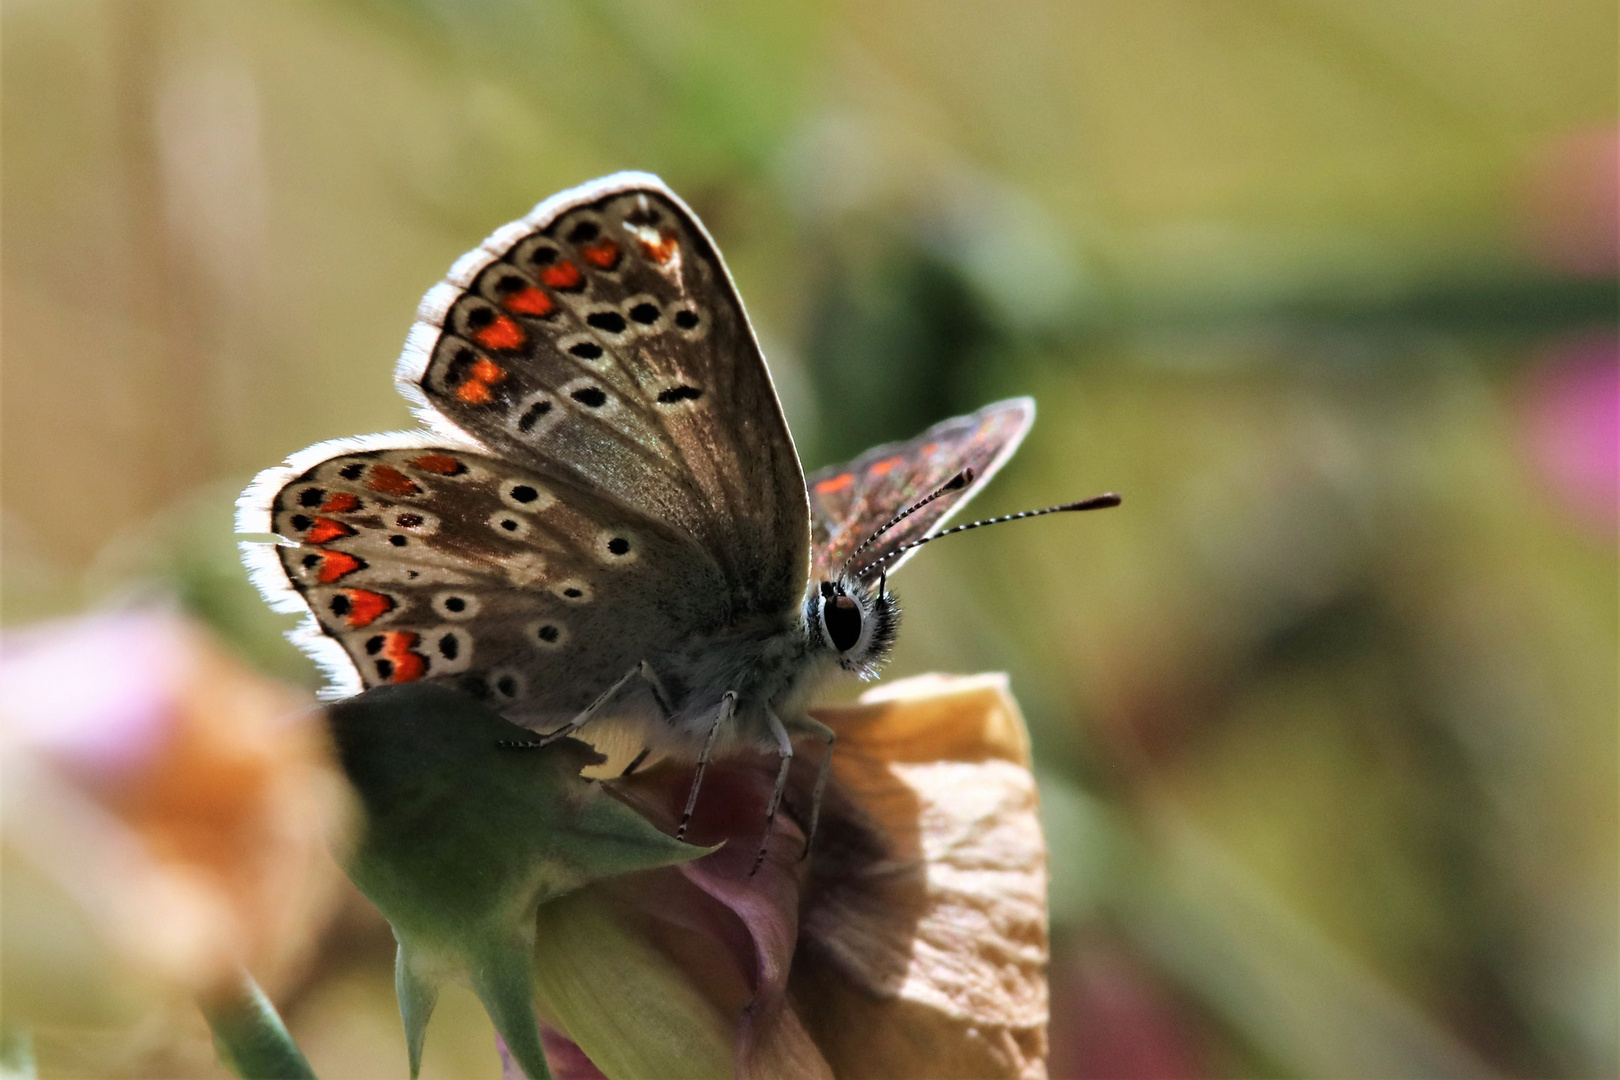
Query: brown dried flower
x=912, y=943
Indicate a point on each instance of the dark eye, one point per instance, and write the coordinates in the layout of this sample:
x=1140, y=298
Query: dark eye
x=842, y=617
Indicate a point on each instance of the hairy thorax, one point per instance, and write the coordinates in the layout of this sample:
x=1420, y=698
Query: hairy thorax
x=768, y=663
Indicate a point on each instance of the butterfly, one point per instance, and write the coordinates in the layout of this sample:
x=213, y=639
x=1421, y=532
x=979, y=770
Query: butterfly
x=603, y=529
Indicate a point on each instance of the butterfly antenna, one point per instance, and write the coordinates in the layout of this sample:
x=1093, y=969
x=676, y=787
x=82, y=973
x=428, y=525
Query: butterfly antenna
x=955, y=483
x=1096, y=502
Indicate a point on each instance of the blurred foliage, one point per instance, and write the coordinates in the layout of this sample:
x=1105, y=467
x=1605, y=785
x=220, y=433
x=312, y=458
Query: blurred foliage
x=1326, y=712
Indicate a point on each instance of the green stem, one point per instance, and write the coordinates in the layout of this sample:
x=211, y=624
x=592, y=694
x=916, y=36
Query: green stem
x=17, y=1054
x=249, y=1035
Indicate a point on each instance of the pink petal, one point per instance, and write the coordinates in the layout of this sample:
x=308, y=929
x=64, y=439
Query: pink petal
x=770, y=1040
x=757, y=919
x=567, y=1061
x=96, y=694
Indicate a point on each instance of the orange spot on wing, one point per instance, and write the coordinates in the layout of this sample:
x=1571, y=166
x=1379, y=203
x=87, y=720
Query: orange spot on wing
x=341, y=502
x=390, y=481
x=835, y=483
x=407, y=665
x=660, y=250
x=483, y=374
x=366, y=607
x=443, y=464
x=928, y=451
x=503, y=333
x=562, y=275
x=326, y=529
x=886, y=466
x=530, y=301
x=604, y=254
x=335, y=565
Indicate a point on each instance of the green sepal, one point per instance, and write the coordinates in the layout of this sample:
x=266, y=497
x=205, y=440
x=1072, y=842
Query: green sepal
x=503, y=979
x=417, y=996
x=463, y=839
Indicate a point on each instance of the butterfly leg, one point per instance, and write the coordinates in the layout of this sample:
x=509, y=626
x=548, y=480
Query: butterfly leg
x=728, y=704
x=784, y=748
x=650, y=677
x=816, y=727
x=660, y=695
x=641, y=671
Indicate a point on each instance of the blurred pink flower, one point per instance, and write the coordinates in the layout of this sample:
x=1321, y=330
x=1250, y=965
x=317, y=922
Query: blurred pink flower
x=1117, y=1022
x=1572, y=428
x=167, y=813
x=1572, y=209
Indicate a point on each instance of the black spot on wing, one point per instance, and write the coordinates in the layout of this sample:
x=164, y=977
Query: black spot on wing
x=532, y=415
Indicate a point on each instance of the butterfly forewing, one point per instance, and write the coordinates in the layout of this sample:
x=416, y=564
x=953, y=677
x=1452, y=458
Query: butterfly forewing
x=443, y=564
x=849, y=502
x=600, y=340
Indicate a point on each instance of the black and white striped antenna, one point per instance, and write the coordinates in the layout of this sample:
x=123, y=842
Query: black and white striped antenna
x=1096, y=502
x=955, y=483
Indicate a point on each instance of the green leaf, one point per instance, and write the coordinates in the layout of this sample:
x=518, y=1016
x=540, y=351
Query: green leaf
x=249, y=1036
x=464, y=839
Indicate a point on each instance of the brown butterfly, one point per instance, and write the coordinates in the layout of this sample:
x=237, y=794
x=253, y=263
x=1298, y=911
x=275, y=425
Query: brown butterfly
x=605, y=530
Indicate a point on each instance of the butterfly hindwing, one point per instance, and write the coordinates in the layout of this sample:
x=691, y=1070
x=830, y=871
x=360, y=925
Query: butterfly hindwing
x=436, y=563
x=600, y=340
x=849, y=502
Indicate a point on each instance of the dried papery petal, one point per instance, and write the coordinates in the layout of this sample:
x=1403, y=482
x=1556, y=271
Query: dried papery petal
x=923, y=950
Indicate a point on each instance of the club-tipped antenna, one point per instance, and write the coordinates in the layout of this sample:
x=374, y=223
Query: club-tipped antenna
x=1096, y=502
x=955, y=483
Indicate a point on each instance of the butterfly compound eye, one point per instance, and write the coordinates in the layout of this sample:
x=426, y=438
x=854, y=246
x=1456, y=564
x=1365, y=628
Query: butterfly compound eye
x=842, y=617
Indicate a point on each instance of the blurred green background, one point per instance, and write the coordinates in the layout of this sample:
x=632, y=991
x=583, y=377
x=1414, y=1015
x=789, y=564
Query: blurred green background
x=1325, y=715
